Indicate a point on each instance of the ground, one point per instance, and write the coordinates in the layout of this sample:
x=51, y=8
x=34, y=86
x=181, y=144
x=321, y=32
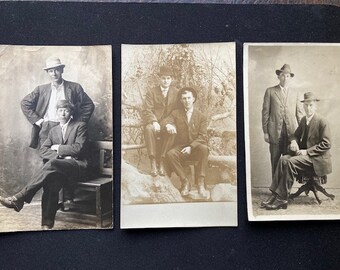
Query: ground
x=29, y=219
x=302, y=205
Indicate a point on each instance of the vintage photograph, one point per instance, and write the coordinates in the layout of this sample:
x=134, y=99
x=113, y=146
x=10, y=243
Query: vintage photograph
x=55, y=137
x=178, y=135
x=291, y=131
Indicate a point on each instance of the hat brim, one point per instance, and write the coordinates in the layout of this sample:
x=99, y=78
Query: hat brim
x=310, y=99
x=278, y=72
x=165, y=74
x=46, y=68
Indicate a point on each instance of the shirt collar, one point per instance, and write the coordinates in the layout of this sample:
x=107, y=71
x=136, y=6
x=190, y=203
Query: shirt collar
x=283, y=88
x=190, y=110
x=60, y=86
x=65, y=125
x=164, y=89
x=308, y=119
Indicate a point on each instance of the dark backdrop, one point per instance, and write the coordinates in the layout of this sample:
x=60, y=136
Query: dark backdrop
x=271, y=245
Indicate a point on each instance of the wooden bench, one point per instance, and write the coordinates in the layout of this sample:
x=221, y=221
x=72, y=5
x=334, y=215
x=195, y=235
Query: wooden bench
x=93, y=197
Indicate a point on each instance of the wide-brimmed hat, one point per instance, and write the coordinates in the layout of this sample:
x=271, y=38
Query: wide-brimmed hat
x=187, y=89
x=309, y=96
x=53, y=62
x=285, y=69
x=165, y=71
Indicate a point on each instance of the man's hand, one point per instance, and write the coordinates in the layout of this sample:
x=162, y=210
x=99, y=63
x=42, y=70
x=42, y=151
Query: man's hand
x=171, y=129
x=294, y=147
x=266, y=137
x=156, y=127
x=186, y=150
x=55, y=147
x=301, y=152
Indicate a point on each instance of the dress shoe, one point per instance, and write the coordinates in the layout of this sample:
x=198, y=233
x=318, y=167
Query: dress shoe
x=185, y=187
x=277, y=204
x=154, y=170
x=161, y=170
x=270, y=200
x=12, y=202
x=46, y=227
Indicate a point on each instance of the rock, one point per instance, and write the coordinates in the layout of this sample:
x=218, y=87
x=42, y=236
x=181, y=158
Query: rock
x=224, y=193
x=141, y=188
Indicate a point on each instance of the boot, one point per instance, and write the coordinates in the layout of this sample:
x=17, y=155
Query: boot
x=153, y=167
x=185, y=187
x=162, y=171
x=201, y=187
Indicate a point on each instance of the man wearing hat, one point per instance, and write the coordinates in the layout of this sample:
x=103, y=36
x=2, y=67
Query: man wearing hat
x=310, y=145
x=281, y=113
x=64, y=154
x=191, y=143
x=39, y=106
x=159, y=102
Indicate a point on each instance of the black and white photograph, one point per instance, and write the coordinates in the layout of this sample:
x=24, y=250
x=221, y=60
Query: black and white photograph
x=179, y=151
x=291, y=130
x=55, y=138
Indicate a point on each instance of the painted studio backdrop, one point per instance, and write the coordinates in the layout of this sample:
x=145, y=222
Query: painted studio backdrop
x=21, y=70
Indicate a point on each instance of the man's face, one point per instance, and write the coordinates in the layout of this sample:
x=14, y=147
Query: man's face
x=284, y=79
x=187, y=99
x=310, y=107
x=165, y=81
x=56, y=74
x=63, y=114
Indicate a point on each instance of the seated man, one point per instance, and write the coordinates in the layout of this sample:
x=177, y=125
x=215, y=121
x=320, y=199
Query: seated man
x=311, y=144
x=160, y=101
x=190, y=125
x=63, y=155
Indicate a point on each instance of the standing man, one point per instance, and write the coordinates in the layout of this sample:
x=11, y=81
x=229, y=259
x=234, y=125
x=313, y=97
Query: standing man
x=159, y=103
x=281, y=113
x=39, y=106
x=191, y=143
x=311, y=144
x=64, y=155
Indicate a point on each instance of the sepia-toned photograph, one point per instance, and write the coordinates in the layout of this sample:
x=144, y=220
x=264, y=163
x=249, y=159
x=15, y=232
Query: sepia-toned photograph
x=178, y=136
x=292, y=136
x=55, y=138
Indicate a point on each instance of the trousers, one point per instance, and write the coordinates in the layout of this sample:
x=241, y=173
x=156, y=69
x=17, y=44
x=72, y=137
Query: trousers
x=176, y=159
x=157, y=144
x=286, y=171
x=55, y=174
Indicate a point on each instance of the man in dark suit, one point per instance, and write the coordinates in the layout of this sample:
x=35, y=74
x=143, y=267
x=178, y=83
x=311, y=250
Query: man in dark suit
x=39, y=106
x=190, y=127
x=64, y=155
x=311, y=144
x=281, y=113
x=159, y=103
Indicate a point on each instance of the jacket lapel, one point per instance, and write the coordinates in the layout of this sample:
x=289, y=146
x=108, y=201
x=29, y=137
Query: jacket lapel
x=68, y=130
x=312, y=125
x=59, y=134
x=279, y=94
x=68, y=91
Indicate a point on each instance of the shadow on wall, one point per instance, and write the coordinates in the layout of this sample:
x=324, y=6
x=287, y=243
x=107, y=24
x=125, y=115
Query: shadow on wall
x=20, y=72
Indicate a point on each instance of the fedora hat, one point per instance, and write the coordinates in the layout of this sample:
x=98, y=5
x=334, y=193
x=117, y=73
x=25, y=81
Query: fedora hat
x=187, y=89
x=165, y=71
x=309, y=96
x=53, y=62
x=285, y=69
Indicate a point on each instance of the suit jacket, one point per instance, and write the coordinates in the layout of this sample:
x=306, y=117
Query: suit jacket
x=276, y=109
x=318, y=143
x=34, y=105
x=193, y=133
x=74, y=145
x=155, y=106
